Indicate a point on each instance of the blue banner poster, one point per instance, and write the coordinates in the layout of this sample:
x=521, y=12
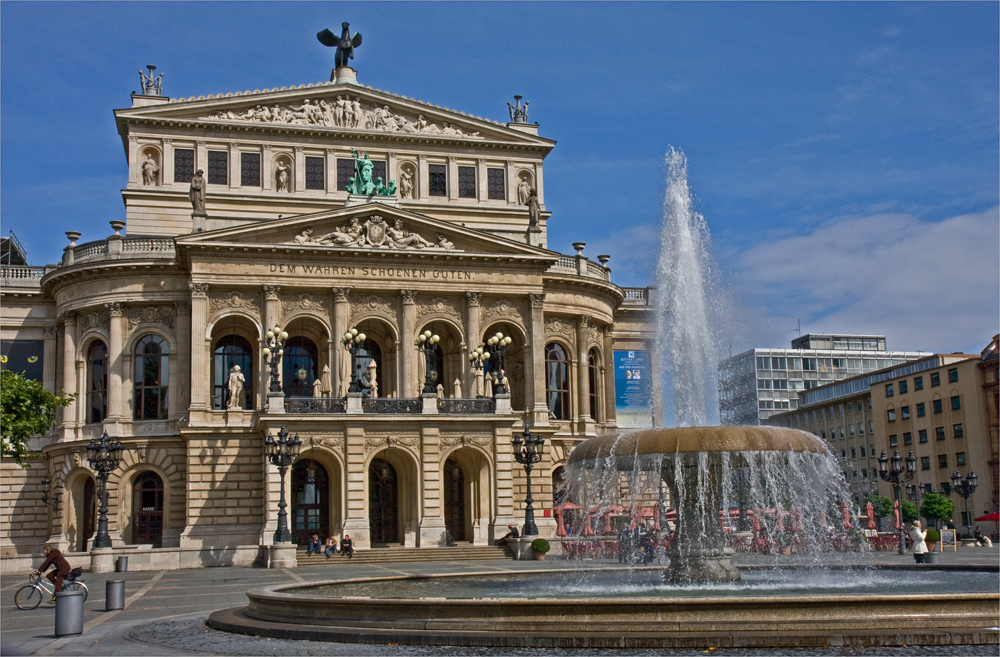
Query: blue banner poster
x=633, y=390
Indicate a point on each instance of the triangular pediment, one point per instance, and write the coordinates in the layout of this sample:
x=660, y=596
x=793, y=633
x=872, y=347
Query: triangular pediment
x=336, y=108
x=365, y=230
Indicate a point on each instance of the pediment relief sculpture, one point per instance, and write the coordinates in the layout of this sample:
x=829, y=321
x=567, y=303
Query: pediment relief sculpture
x=439, y=306
x=374, y=233
x=344, y=112
x=306, y=302
x=224, y=299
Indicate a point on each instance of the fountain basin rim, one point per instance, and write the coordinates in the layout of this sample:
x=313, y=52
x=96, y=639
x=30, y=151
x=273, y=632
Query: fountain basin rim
x=697, y=439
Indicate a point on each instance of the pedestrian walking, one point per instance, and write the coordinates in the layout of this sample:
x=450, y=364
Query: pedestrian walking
x=919, y=547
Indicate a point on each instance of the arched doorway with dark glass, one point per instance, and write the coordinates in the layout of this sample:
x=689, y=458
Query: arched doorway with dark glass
x=310, y=501
x=466, y=500
x=383, y=502
x=454, y=499
x=379, y=348
x=147, y=509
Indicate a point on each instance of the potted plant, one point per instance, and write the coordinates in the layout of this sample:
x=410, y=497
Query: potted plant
x=932, y=538
x=540, y=546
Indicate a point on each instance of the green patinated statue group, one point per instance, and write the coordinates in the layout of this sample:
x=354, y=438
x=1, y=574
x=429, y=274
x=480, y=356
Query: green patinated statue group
x=362, y=183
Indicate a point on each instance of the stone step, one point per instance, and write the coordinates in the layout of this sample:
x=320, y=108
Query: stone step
x=412, y=555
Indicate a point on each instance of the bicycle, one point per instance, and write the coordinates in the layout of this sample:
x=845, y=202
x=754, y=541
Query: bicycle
x=31, y=595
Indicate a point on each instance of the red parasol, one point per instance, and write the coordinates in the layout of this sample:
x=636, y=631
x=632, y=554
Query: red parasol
x=656, y=517
x=587, y=529
x=560, y=528
x=871, y=516
x=895, y=511
x=989, y=517
x=845, y=511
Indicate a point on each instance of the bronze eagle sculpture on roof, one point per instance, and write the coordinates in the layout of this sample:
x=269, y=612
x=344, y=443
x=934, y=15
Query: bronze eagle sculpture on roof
x=345, y=44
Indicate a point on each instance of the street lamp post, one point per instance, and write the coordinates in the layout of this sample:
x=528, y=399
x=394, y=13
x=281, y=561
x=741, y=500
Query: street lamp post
x=965, y=488
x=104, y=456
x=528, y=452
x=274, y=348
x=282, y=453
x=893, y=471
x=498, y=345
x=352, y=341
x=426, y=343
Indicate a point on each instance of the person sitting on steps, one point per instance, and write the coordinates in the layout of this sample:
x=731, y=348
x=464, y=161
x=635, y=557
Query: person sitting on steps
x=511, y=534
x=347, y=546
x=331, y=546
x=313, y=545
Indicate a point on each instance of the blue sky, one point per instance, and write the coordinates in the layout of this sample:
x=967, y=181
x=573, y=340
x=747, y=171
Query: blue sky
x=844, y=155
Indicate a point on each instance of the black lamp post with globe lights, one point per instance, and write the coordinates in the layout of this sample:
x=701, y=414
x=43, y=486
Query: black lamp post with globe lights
x=893, y=471
x=274, y=348
x=104, y=456
x=498, y=344
x=352, y=341
x=282, y=454
x=528, y=452
x=426, y=344
x=965, y=488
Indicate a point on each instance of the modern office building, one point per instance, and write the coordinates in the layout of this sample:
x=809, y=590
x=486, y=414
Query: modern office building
x=317, y=209
x=758, y=383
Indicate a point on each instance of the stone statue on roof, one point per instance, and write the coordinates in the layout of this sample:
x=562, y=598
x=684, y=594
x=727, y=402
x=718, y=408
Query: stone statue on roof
x=345, y=45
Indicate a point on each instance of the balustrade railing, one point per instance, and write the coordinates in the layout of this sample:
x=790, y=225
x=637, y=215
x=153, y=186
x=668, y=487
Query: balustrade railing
x=391, y=406
x=148, y=245
x=466, y=406
x=90, y=250
x=315, y=405
x=636, y=295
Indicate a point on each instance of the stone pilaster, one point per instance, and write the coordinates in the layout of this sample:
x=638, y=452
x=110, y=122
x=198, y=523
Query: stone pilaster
x=50, y=341
x=432, y=525
x=116, y=363
x=583, y=419
x=608, y=362
x=180, y=399
x=272, y=311
x=341, y=363
x=299, y=170
x=535, y=393
x=472, y=340
x=69, y=371
x=199, y=360
x=356, y=522
x=407, y=332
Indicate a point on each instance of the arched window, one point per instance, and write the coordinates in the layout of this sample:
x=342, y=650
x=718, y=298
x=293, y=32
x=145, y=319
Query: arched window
x=147, y=509
x=298, y=367
x=370, y=351
x=593, y=379
x=151, y=378
x=557, y=381
x=97, y=382
x=229, y=351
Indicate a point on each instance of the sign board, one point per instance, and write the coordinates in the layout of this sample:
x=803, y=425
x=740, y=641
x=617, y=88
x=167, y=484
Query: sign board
x=633, y=390
x=871, y=533
x=948, y=539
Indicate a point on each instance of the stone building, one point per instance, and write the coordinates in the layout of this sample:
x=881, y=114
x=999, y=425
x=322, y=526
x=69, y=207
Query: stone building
x=316, y=209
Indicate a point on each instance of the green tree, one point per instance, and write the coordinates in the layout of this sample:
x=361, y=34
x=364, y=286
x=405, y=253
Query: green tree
x=883, y=506
x=26, y=409
x=909, y=511
x=937, y=507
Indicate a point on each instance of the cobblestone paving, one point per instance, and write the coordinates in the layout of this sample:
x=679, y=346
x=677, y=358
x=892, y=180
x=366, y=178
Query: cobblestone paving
x=188, y=634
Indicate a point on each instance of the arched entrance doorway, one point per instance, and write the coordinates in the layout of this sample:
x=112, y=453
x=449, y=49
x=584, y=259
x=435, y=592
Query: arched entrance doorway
x=310, y=501
x=454, y=499
x=383, y=502
x=147, y=509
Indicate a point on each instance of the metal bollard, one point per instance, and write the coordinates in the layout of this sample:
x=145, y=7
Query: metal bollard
x=69, y=612
x=121, y=566
x=114, y=594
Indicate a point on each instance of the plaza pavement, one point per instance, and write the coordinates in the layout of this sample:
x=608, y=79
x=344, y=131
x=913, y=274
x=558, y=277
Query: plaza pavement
x=165, y=612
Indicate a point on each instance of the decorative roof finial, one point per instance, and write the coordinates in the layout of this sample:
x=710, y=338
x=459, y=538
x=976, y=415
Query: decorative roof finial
x=519, y=112
x=151, y=86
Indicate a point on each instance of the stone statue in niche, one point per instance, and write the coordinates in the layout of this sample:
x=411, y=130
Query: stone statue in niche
x=281, y=177
x=478, y=389
x=372, y=376
x=149, y=170
x=197, y=192
x=345, y=45
x=406, y=183
x=236, y=382
x=523, y=191
x=534, y=209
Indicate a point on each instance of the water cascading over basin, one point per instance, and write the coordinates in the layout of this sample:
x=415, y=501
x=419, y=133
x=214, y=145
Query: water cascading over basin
x=703, y=467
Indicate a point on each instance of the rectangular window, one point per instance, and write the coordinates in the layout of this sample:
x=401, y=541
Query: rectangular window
x=921, y=409
x=937, y=406
x=218, y=167
x=437, y=179
x=315, y=173
x=763, y=384
x=918, y=383
x=891, y=414
x=345, y=171
x=495, y=183
x=960, y=458
x=822, y=414
x=780, y=384
x=843, y=453
x=893, y=441
x=959, y=430
x=777, y=363
x=809, y=364
x=379, y=171
x=466, y=182
x=859, y=406
x=953, y=375
x=862, y=451
x=763, y=363
x=946, y=488
x=888, y=390
x=942, y=460
x=864, y=474
x=935, y=379
x=907, y=438
x=922, y=435
x=840, y=410
x=925, y=463
x=861, y=428
x=904, y=412
x=869, y=403
x=939, y=433
x=956, y=403
x=850, y=430
x=871, y=427
x=250, y=169
x=903, y=387
x=183, y=164
x=850, y=409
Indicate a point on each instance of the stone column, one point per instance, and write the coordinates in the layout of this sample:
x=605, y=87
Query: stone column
x=609, y=375
x=452, y=183
x=422, y=182
x=355, y=487
x=472, y=340
x=538, y=184
x=265, y=168
x=180, y=399
x=340, y=363
x=582, y=375
x=407, y=331
x=199, y=364
x=431, y=509
x=272, y=310
x=201, y=157
x=330, y=173
x=167, y=165
x=391, y=168
x=535, y=384
x=116, y=362
x=482, y=182
x=69, y=370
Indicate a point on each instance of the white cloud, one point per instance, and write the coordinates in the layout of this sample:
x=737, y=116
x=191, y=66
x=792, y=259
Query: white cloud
x=925, y=285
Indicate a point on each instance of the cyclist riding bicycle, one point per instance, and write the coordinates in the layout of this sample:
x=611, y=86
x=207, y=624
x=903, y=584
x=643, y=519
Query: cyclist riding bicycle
x=54, y=557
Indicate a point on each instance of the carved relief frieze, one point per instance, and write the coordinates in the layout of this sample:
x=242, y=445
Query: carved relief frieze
x=559, y=326
x=163, y=315
x=594, y=334
x=375, y=443
x=373, y=303
x=228, y=299
x=334, y=443
x=502, y=308
x=305, y=302
x=485, y=442
x=440, y=306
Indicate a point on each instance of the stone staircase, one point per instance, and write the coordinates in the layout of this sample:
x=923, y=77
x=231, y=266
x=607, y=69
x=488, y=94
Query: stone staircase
x=460, y=552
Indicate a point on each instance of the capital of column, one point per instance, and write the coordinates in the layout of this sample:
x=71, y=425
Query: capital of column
x=473, y=298
x=200, y=142
x=199, y=290
x=50, y=332
x=114, y=308
x=608, y=329
x=409, y=297
x=66, y=316
x=537, y=300
x=167, y=140
x=340, y=293
x=582, y=322
x=132, y=139
x=271, y=292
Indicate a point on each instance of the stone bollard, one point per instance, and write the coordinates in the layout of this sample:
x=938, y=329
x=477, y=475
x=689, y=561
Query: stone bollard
x=69, y=612
x=114, y=594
